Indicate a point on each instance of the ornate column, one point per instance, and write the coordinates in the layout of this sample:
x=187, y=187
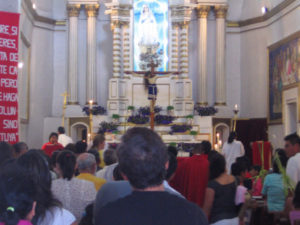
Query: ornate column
x=126, y=47
x=116, y=28
x=184, y=48
x=220, y=12
x=91, y=81
x=174, y=46
x=73, y=12
x=202, y=53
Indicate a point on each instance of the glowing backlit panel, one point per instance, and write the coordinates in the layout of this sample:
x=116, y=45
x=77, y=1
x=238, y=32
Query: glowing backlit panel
x=151, y=29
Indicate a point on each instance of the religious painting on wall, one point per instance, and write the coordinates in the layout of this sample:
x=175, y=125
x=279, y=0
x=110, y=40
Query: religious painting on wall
x=284, y=70
x=150, y=32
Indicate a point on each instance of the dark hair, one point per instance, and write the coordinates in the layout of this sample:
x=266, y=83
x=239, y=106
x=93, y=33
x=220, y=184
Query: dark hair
x=87, y=219
x=211, y=154
x=231, y=137
x=117, y=173
x=293, y=138
x=96, y=154
x=206, y=147
x=98, y=139
x=296, y=199
x=142, y=157
x=217, y=166
x=53, y=134
x=110, y=157
x=6, y=152
x=35, y=164
x=80, y=147
x=17, y=194
x=256, y=168
x=19, y=147
x=172, y=165
x=283, y=159
x=244, y=160
x=238, y=168
x=173, y=150
x=67, y=162
x=197, y=149
x=61, y=130
x=71, y=147
x=53, y=159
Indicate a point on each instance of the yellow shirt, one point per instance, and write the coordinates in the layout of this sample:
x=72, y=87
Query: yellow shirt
x=102, y=163
x=98, y=182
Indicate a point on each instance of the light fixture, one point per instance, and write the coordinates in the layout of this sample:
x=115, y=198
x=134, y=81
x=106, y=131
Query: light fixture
x=34, y=6
x=264, y=9
x=20, y=65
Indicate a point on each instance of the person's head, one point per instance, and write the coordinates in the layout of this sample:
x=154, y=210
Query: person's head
x=99, y=142
x=173, y=150
x=61, y=130
x=66, y=164
x=96, y=154
x=206, y=147
x=296, y=200
x=211, y=154
x=6, y=152
x=283, y=160
x=238, y=169
x=292, y=144
x=232, y=137
x=53, y=138
x=197, y=149
x=71, y=147
x=110, y=157
x=245, y=161
x=143, y=158
x=35, y=164
x=254, y=170
x=117, y=175
x=80, y=147
x=86, y=163
x=88, y=215
x=17, y=196
x=217, y=166
x=20, y=148
x=172, y=166
x=53, y=159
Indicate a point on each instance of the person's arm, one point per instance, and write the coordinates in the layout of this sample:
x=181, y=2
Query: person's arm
x=242, y=149
x=208, y=201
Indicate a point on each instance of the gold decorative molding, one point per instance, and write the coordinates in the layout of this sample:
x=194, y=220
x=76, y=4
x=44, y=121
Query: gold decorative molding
x=202, y=11
x=221, y=11
x=220, y=103
x=73, y=103
x=92, y=10
x=202, y=103
x=73, y=10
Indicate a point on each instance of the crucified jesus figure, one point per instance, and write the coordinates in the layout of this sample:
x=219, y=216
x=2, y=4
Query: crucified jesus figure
x=150, y=78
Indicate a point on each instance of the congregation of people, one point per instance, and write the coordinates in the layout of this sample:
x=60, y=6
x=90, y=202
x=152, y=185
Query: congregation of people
x=141, y=181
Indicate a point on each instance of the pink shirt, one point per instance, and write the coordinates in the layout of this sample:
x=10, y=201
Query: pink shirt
x=294, y=215
x=21, y=222
x=257, y=187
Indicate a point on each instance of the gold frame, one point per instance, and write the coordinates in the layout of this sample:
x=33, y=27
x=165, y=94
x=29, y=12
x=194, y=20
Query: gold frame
x=270, y=48
x=25, y=120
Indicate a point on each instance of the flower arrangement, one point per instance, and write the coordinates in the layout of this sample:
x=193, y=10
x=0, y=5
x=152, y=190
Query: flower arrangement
x=170, y=107
x=116, y=116
x=193, y=133
x=108, y=127
x=145, y=111
x=138, y=119
x=180, y=128
x=131, y=107
x=206, y=111
x=96, y=110
x=164, y=119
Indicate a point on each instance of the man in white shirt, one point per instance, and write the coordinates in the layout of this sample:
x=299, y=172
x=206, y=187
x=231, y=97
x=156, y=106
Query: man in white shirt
x=292, y=149
x=63, y=138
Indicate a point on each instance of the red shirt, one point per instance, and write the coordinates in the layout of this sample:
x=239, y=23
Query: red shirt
x=49, y=148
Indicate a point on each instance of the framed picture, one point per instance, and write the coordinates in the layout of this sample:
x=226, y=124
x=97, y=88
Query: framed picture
x=284, y=72
x=24, y=79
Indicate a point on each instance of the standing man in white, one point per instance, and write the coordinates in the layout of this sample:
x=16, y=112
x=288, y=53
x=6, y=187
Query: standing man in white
x=292, y=150
x=232, y=149
x=63, y=138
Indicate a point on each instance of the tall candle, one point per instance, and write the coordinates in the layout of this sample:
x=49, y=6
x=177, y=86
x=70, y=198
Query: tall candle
x=236, y=107
x=91, y=104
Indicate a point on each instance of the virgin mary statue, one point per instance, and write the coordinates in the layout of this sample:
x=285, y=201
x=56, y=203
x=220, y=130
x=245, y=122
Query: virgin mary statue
x=148, y=35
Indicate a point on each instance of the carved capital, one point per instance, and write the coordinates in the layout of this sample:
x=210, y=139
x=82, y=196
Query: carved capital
x=73, y=10
x=221, y=11
x=202, y=11
x=116, y=24
x=92, y=10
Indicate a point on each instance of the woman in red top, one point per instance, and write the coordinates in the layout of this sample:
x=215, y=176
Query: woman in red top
x=52, y=145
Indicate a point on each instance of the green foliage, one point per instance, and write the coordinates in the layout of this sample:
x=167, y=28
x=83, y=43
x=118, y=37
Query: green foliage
x=194, y=133
x=131, y=107
x=170, y=107
x=116, y=116
x=189, y=117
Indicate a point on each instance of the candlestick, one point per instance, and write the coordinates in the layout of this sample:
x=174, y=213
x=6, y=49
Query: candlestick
x=236, y=107
x=65, y=95
x=220, y=143
x=91, y=104
x=216, y=147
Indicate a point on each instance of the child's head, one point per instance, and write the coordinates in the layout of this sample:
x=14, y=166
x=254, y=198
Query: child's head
x=296, y=200
x=254, y=170
x=238, y=169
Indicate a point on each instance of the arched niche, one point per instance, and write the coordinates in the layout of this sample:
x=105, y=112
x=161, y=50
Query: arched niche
x=79, y=131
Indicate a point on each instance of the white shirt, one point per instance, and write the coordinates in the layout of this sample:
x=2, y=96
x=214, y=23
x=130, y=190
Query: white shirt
x=293, y=168
x=107, y=172
x=57, y=216
x=231, y=152
x=64, y=140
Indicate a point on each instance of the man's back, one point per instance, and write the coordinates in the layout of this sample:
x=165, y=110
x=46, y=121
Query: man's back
x=149, y=208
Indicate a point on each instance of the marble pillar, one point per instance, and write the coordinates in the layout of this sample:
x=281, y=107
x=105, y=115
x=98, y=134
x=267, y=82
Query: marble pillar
x=184, y=49
x=91, y=75
x=174, y=47
x=220, y=12
x=73, y=12
x=202, y=13
x=116, y=27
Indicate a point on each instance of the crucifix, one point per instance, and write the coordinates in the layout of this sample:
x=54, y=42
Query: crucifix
x=65, y=95
x=150, y=78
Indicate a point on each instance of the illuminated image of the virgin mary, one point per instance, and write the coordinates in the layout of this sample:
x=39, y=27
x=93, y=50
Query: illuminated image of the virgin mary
x=147, y=31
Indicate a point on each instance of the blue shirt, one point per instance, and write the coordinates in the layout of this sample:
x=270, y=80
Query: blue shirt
x=274, y=190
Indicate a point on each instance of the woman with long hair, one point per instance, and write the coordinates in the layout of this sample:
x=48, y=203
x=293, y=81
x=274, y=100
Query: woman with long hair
x=232, y=149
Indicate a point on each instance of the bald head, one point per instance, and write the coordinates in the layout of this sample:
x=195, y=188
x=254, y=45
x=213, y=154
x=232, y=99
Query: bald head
x=86, y=163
